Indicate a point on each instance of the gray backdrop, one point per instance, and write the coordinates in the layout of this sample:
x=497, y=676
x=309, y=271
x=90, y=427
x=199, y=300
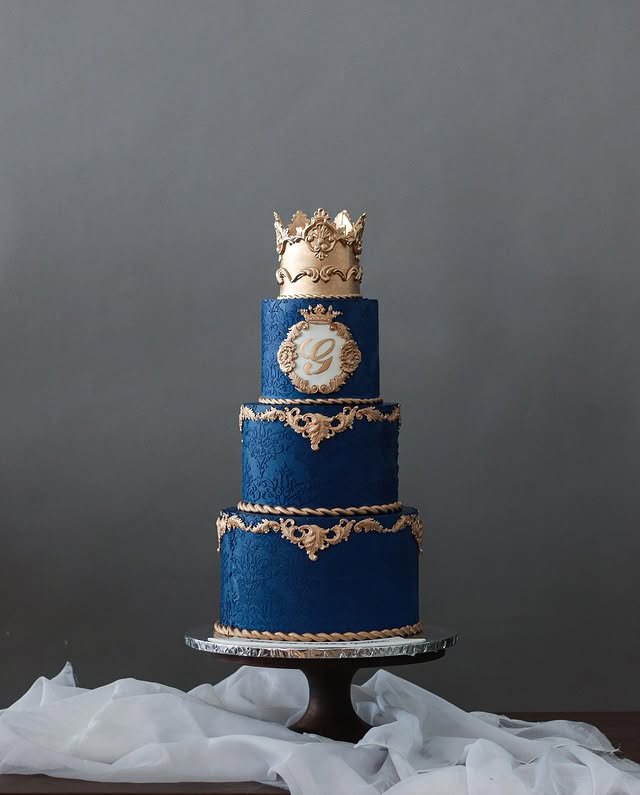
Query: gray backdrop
x=494, y=145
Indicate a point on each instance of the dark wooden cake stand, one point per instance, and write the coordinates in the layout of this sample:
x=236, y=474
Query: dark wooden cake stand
x=329, y=669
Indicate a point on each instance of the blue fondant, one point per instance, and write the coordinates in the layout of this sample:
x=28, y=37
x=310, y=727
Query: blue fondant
x=360, y=315
x=369, y=581
x=358, y=466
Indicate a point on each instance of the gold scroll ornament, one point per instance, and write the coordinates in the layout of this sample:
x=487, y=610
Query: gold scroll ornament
x=318, y=427
x=311, y=537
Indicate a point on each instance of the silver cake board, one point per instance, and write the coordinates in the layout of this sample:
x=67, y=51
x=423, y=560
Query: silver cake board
x=433, y=639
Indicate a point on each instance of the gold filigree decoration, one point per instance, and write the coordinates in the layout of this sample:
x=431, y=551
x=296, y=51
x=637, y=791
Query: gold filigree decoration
x=311, y=537
x=320, y=233
x=320, y=637
x=349, y=357
x=411, y=520
x=319, y=427
x=287, y=356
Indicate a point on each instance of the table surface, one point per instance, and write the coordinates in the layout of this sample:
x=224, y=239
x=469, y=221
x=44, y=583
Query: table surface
x=622, y=728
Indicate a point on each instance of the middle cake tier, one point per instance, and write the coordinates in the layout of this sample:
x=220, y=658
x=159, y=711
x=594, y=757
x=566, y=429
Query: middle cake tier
x=320, y=456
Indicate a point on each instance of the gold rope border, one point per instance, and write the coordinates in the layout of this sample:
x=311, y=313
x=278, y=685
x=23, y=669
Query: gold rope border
x=361, y=510
x=318, y=637
x=316, y=401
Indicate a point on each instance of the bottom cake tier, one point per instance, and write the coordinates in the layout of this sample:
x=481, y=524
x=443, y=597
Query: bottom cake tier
x=325, y=578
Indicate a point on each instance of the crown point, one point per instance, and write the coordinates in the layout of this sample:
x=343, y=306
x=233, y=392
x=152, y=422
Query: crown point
x=298, y=222
x=343, y=221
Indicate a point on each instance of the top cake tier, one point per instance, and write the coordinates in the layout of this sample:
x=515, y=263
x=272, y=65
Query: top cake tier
x=320, y=349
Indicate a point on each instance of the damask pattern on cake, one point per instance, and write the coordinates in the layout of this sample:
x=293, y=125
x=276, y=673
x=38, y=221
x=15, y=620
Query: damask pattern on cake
x=279, y=466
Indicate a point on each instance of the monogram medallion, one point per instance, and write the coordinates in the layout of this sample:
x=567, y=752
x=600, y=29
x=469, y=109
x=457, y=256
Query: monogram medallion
x=319, y=354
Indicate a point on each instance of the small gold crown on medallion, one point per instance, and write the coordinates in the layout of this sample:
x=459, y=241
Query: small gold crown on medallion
x=320, y=314
x=319, y=256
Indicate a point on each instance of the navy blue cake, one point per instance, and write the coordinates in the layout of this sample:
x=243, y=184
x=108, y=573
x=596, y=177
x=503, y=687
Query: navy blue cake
x=319, y=548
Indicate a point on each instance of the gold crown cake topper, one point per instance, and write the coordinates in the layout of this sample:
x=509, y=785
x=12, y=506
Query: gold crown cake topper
x=318, y=256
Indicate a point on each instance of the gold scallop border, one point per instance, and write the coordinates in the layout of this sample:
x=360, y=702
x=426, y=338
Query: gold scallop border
x=318, y=427
x=311, y=537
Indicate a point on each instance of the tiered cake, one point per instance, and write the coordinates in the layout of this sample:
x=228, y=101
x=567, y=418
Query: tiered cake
x=319, y=548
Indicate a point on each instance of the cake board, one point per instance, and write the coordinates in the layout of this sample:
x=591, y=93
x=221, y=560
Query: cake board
x=329, y=669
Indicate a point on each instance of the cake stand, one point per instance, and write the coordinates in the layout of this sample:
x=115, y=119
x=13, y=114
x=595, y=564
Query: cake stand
x=329, y=669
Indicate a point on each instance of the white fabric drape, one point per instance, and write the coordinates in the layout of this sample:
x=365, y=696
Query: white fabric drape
x=236, y=731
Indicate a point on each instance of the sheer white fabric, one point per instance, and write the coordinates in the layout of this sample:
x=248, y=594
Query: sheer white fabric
x=236, y=731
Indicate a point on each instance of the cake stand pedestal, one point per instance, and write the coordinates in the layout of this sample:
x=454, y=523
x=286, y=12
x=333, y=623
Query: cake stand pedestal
x=329, y=669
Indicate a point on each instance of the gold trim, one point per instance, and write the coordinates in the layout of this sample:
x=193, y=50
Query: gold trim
x=311, y=537
x=350, y=355
x=327, y=637
x=287, y=510
x=317, y=401
x=318, y=427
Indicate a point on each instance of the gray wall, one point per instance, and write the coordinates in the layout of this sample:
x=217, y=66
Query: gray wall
x=495, y=146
